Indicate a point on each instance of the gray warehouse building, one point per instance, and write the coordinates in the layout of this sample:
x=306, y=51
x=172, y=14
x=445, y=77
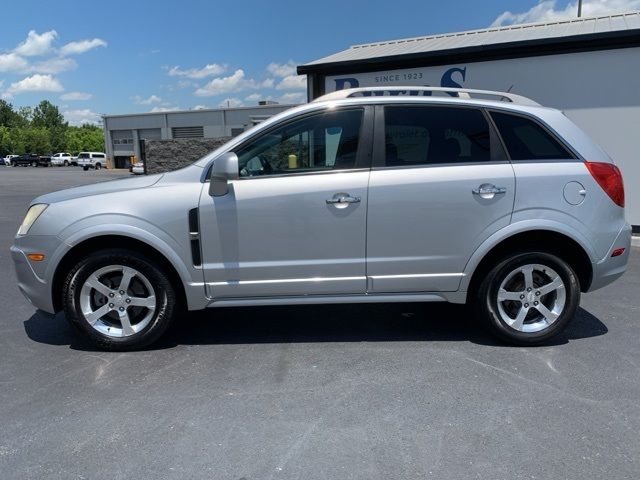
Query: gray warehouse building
x=123, y=133
x=588, y=67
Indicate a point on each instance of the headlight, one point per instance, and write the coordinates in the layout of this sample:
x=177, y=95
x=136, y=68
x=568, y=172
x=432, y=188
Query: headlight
x=32, y=215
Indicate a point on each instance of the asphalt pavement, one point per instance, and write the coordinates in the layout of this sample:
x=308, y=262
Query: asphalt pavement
x=392, y=391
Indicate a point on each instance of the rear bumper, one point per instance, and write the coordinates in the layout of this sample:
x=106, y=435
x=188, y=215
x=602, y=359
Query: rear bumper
x=611, y=268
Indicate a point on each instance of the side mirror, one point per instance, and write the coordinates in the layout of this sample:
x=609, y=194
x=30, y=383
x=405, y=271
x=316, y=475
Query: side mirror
x=225, y=168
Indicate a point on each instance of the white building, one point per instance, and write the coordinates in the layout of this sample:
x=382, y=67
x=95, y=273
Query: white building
x=587, y=67
x=123, y=133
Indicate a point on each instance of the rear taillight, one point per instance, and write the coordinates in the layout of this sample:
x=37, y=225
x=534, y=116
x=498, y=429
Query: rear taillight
x=609, y=178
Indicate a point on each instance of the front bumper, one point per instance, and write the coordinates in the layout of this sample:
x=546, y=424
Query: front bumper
x=611, y=268
x=35, y=278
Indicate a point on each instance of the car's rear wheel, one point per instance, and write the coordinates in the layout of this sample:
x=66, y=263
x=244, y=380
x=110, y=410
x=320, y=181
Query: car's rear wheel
x=98, y=166
x=65, y=163
x=120, y=299
x=85, y=168
x=529, y=298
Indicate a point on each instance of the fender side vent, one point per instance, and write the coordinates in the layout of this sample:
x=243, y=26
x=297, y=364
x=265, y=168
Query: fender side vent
x=194, y=237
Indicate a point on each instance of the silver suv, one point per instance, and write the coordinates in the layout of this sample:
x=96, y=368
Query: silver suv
x=363, y=196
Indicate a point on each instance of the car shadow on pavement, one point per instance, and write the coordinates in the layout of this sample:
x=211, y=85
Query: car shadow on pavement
x=394, y=322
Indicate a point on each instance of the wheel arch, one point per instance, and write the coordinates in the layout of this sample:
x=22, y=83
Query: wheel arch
x=101, y=242
x=546, y=240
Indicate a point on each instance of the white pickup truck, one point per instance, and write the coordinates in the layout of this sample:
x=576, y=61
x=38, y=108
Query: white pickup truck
x=63, y=159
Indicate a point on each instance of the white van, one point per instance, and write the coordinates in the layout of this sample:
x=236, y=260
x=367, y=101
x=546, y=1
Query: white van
x=88, y=160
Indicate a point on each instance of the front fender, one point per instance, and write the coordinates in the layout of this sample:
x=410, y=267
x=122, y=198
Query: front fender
x=175, y=250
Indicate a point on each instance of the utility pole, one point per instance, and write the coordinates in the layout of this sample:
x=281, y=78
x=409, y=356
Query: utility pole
x=579, y=8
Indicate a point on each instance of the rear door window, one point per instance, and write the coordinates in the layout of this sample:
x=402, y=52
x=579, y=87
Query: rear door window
x=416, y=135
x=526, y=140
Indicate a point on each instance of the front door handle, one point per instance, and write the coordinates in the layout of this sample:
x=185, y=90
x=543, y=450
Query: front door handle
x=487, y=190
x=342, y=199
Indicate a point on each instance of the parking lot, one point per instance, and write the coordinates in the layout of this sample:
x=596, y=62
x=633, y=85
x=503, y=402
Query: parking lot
x=316, y=392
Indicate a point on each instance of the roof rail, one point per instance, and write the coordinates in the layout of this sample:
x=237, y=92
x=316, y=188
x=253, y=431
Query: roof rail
x=426, y=92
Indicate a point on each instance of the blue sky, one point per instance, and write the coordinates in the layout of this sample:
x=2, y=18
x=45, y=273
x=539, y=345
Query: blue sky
x=92, y=57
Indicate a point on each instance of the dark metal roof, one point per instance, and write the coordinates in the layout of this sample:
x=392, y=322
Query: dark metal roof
x=527, y=39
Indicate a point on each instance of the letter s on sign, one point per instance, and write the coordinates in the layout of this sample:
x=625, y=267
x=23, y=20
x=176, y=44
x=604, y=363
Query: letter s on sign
x=447, y=77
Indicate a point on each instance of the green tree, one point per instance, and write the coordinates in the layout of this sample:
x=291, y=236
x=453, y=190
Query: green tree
x=8, y=117
x=25, y=115
x=5, y=141
x=84, y=138
x=37, y=140
x=47, y=115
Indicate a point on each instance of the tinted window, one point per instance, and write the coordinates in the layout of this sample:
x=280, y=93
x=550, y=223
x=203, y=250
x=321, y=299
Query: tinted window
x=432, y=135
x=326, y=141
x=526, y=140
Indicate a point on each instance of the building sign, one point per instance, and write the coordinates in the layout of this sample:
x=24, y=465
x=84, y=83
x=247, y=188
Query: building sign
x=452, y=77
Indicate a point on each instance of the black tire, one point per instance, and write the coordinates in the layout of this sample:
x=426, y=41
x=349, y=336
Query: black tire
x=98, y=166
x=486, y=301
x=65, y=163
x=165, y=306
x=85, y=168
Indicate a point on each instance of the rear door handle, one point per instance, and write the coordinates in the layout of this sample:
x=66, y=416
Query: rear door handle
x=487, y=190
x=341, y=199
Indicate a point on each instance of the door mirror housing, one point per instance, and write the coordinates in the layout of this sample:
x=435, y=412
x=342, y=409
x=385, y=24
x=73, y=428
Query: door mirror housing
x=225, y=169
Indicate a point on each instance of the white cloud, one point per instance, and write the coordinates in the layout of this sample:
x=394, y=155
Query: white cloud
x=293, y=82
x=292, y=97
x=164, y=109
x=232, y=102
x=36, y=44
x=82, y=116
x=254, y=97
x=221, y=85
x=53, y=65
x=81, y=46
x=34, y=83
x=80, y=96
x=10, y=62
x=199, y=107
x=547, y=10
x=208, y=70
x=146, y=101
x=267, y=83
x=282, y=70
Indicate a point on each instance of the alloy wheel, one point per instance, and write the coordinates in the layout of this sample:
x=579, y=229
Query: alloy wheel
x=531, y=298
x=118, y=301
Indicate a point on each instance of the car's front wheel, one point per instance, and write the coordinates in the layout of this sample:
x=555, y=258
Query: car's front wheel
x=529, y=297
x=120, y=299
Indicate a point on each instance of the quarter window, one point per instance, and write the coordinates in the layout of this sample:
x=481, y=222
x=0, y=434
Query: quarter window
x=327, y=141
x=526, y=140
x=435, y=135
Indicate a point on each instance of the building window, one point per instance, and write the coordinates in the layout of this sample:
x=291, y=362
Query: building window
x=187, y=132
